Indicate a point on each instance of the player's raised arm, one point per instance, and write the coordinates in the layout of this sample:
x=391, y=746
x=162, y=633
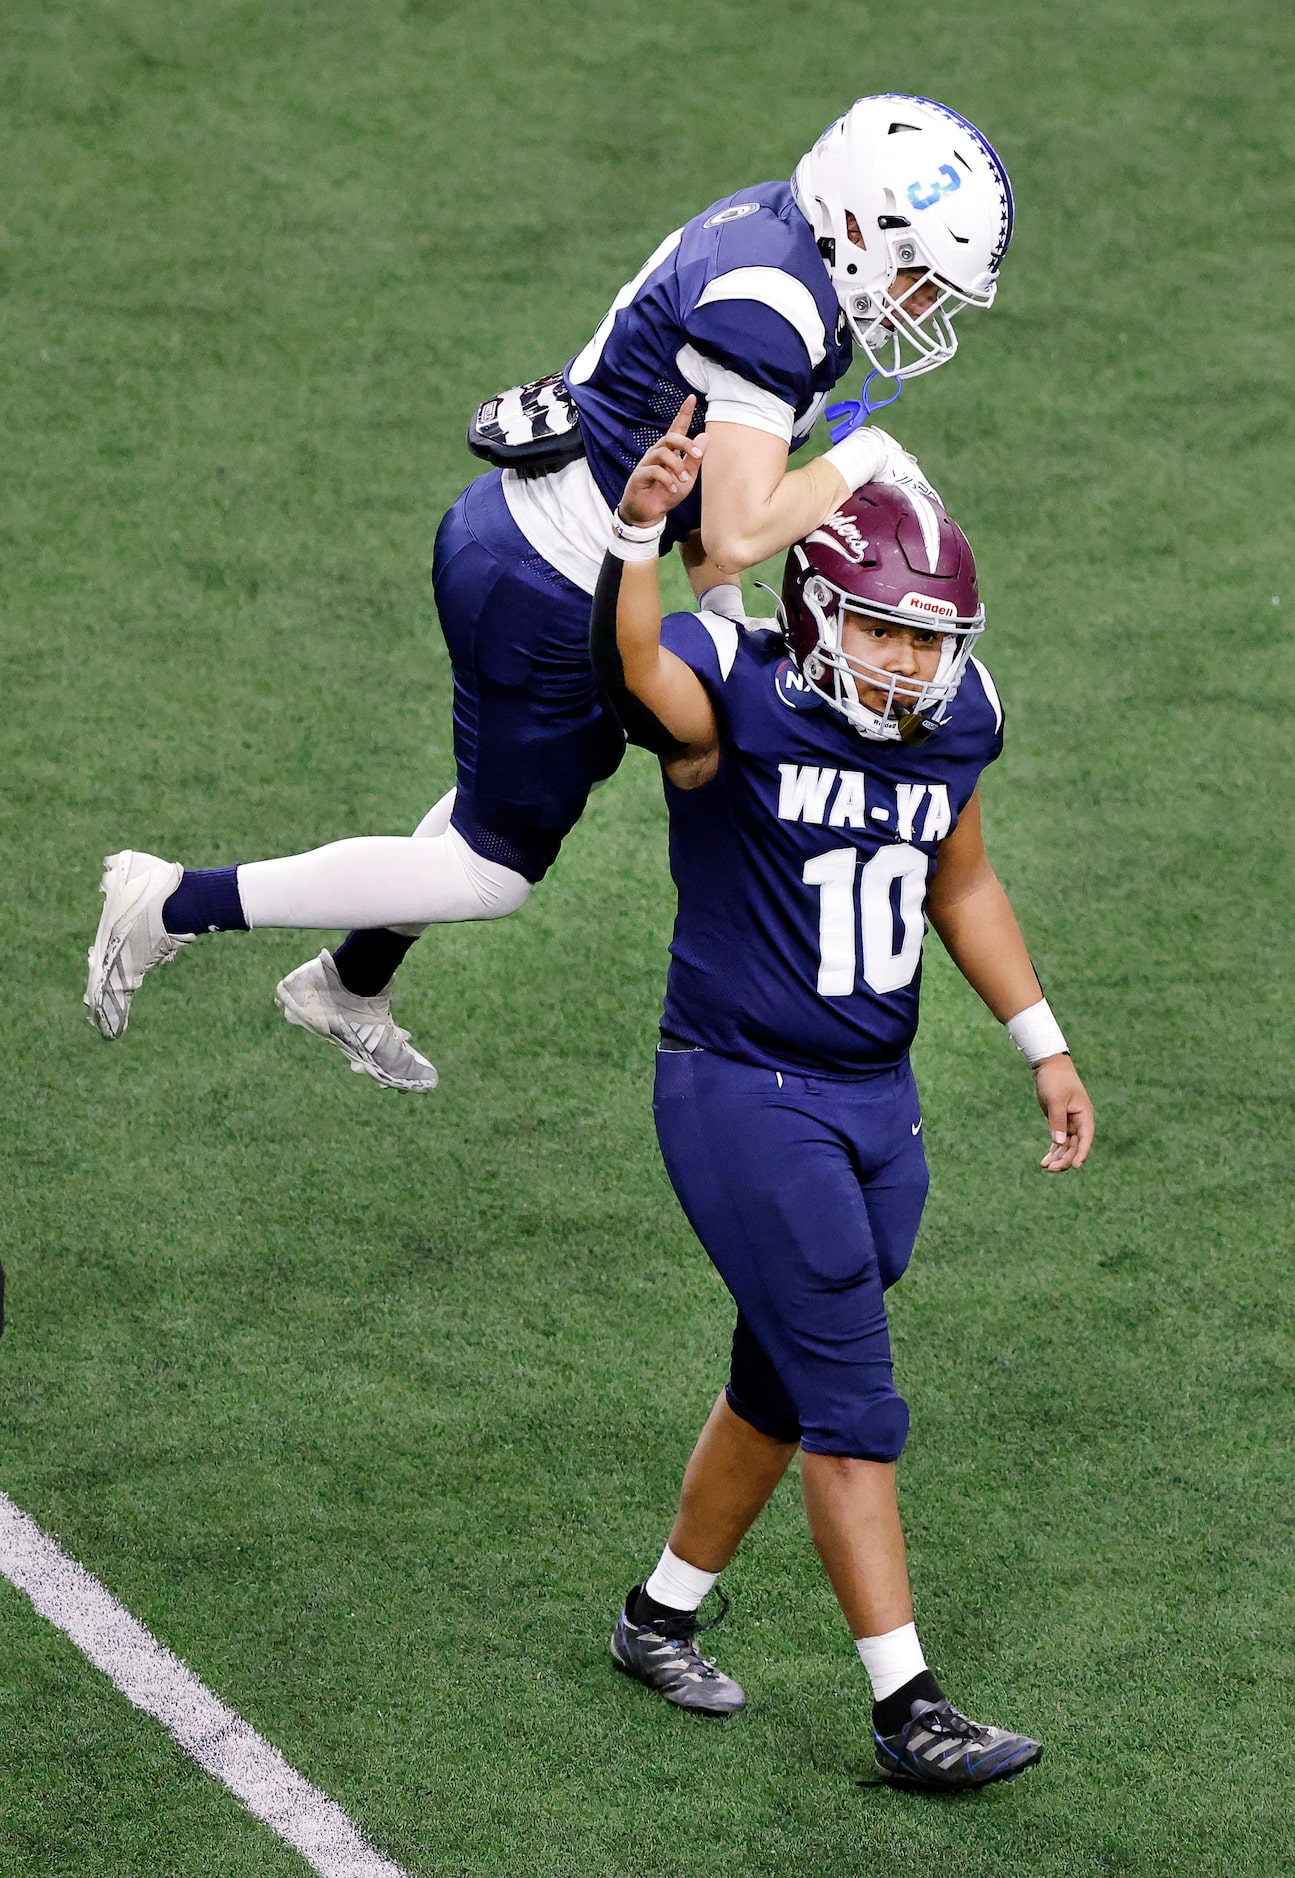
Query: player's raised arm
x=661, y=703
x=975, y=921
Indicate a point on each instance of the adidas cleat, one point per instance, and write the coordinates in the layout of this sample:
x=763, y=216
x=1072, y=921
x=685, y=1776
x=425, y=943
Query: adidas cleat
x=131, y=938
x=664, y=1655
x=940, y=1750
x=363, y=1029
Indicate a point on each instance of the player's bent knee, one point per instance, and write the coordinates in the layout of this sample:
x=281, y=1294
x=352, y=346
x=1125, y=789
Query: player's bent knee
x=491, y=890
x=503, y=893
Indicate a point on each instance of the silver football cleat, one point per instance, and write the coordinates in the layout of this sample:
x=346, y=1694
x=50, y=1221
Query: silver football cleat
x=665, y=1656
x=940, y=1749
x=131, y=938
x=363, y=1029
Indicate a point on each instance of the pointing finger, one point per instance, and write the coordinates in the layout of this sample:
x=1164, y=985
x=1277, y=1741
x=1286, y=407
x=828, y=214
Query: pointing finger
x=683, y=416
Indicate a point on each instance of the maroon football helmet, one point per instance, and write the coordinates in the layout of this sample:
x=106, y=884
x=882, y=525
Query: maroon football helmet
x=889, y=553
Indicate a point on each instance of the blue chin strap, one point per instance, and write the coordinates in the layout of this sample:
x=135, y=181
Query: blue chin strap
x=843, y=419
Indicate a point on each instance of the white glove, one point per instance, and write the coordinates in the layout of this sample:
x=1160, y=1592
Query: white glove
x=873, y=456
x=726, y=600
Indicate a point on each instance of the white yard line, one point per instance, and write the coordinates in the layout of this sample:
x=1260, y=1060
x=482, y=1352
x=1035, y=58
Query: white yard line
x=151, y=1678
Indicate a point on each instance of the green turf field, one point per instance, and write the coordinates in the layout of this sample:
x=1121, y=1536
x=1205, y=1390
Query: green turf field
x=371, y=1408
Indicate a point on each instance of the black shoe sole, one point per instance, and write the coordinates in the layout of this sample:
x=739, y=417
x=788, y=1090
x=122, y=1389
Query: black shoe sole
x=907, y=1784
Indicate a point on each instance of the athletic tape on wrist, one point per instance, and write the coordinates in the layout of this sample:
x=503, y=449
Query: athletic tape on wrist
x=629, y=542
x=1036, y=1033
x=857, y=458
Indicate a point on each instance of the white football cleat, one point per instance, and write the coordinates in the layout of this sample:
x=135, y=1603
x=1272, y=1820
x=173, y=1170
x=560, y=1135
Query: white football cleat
x=362, y=1028
x=131, y=938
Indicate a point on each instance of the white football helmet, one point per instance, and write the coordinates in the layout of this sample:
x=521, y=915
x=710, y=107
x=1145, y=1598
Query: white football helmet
x=929, y=193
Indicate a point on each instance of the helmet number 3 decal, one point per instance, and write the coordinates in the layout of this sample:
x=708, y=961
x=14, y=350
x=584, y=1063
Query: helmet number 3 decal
x=926, y=195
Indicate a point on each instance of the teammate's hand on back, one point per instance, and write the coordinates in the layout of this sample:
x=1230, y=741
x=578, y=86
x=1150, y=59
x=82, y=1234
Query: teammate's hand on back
x=1064, y=1101
x=666, y=473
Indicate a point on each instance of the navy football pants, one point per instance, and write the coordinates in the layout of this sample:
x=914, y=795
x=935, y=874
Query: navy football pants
x=807, y=1195
x=532, y=731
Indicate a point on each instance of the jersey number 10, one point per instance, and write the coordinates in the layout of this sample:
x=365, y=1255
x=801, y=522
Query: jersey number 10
x=885, y=968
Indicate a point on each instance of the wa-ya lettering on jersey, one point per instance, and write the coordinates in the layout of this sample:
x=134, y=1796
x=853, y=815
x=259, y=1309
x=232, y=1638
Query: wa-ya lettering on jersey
x=802, y=869
x=736, y=306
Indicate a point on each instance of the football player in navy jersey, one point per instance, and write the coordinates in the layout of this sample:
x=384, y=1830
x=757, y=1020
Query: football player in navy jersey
x=897, y=218
x=822, y=786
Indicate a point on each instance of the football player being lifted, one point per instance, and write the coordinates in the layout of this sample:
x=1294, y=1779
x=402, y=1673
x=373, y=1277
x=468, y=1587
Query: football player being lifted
x=822, y=790
x=897, y=219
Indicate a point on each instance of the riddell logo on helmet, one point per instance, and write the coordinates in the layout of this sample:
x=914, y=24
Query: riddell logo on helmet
x=923, y=603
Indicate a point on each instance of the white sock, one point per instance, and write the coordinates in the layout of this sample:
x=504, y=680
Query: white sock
x=892, y=1660
x=677, y=1584
x=380, y=880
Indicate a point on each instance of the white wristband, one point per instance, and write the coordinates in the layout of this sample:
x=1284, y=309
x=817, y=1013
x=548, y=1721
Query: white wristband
x=1036, y=1033
x=629, y=542
x=858, y=457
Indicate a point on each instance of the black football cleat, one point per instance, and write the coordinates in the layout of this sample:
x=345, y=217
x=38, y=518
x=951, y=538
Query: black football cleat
x=941, y=1751
x=663, y=1653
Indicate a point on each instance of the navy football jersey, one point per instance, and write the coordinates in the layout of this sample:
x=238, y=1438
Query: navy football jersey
x=739, y=293
x=802, y=868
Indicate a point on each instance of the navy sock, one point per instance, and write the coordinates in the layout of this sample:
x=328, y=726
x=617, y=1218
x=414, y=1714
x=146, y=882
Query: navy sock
x=892, y=1714
x=367, y=961
x=206, y=900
